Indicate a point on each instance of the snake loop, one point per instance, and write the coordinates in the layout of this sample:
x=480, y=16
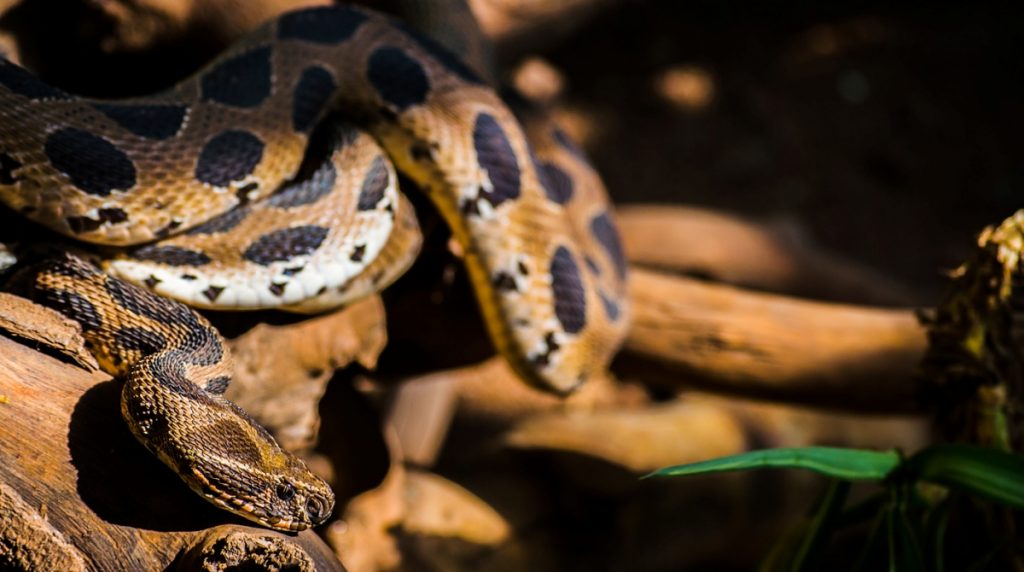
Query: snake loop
x=202, y=186
x=176, y=369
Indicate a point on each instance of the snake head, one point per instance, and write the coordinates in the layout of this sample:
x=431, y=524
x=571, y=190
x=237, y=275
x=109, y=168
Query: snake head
x=278, y=492
x=231, y=461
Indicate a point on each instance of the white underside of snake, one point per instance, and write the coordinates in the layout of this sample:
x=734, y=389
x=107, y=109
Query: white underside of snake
x=199, y=187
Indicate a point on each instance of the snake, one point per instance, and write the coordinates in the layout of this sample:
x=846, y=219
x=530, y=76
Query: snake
x=269, y=179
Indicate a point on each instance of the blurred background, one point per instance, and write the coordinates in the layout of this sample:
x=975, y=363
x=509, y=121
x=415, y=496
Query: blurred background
x=883, y=135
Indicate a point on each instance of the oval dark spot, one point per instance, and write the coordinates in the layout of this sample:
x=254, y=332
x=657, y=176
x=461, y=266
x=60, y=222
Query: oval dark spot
x=149, y=121
x=605, y=233
x=171, y=255
x=72, y=305
x=229, y=156
x=358, y=253
x=557, y=183
x=307, y=191
x=567, y=287
x=563, y=140
x=495, y=155
x=23, y=82
x=444, y=56
x=374, y=185
x=112, y=215
x=505, y=281
x=241, y=81
x=312, y=92
x=94, y=165
x=223, y=223
x=212, y=293
x=277, y=289
x=144, y=303
x=218, y=385
x=322, y=25
x=611, y=307
x=8, y=165
x=400, y=80
x=139, y=339
x=285, y=244
x=67, y=265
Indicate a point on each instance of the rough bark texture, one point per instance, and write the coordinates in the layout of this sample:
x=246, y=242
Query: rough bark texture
x=77, y=492
x=725, y=339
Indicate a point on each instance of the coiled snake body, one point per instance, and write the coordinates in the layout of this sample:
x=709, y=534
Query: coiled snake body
x=185, y=181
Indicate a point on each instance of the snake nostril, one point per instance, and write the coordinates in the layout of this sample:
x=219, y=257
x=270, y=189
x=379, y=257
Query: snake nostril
x=315, y=509
x=285, y=491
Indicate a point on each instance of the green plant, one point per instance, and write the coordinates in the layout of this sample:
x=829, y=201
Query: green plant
x=909, y=517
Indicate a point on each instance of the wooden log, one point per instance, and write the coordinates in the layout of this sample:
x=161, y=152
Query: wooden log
x=724, y=339
x=78, y=492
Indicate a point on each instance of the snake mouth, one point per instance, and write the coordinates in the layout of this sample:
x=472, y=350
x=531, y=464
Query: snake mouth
x=286, y=525
x=248, y=512
x=244, y=509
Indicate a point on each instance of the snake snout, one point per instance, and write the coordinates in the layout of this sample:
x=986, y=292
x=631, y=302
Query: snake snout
x=301, y=499
x=319, y=508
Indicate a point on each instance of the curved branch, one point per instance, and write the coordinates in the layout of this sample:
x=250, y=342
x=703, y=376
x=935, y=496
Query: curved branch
x=728, y=340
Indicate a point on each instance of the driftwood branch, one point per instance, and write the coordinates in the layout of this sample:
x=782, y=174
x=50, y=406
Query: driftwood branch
x=78, y=492
x=728, y=340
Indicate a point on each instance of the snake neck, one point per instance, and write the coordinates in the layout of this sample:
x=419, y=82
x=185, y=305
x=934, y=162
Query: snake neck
x=175, y=369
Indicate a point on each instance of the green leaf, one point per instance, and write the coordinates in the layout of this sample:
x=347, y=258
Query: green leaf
x=848, y=464
x=990, y=473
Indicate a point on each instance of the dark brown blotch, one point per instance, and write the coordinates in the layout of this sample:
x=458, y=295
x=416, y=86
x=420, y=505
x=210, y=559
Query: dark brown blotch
x=212, y=293
x=503, y=281
x=285, y=244
x=357, y=253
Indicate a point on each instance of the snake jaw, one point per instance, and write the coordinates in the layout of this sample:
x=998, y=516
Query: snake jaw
x=309, y=505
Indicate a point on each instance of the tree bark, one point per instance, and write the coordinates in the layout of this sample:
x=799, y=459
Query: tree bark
x=727, y=340
x=78, y=492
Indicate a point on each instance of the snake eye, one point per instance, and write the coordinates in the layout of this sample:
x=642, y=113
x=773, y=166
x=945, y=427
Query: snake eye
x=285, y=491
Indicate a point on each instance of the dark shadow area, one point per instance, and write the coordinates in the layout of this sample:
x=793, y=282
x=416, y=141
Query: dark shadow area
x=121, y=481
x=888, y=131
x=432, y=305
x=350, y=437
